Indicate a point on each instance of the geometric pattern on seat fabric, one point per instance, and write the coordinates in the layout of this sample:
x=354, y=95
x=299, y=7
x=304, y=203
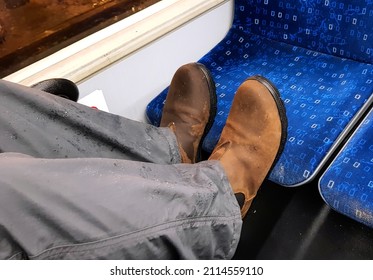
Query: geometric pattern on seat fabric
x=325, y=87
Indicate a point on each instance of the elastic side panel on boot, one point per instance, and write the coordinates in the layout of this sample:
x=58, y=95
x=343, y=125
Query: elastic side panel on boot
x=347, y=184
x=323, y=91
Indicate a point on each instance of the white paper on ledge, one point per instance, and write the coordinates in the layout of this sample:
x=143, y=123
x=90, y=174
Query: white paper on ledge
x=95, y=99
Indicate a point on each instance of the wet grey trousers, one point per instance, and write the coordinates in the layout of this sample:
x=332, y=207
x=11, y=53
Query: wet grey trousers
x=77, y=183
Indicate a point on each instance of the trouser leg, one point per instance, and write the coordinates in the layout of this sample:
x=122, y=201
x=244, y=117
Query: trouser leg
x=115, y=209
x=43, y=125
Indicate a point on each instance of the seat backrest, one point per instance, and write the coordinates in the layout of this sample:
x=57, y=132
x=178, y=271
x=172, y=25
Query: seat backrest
x=342, y=28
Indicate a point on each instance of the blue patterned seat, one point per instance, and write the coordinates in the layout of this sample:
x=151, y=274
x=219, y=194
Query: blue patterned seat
x=347, y=184
x=319, y=53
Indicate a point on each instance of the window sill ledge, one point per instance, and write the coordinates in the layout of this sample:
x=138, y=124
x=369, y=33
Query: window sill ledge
x=97, y=51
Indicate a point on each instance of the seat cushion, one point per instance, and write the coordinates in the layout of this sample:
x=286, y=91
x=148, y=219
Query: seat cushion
x=338, y=27
x=347, y=184
x=322, y=94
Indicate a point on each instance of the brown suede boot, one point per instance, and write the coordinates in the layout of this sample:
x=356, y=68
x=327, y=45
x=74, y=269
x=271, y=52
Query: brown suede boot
x=253, y=137
x=190, y=109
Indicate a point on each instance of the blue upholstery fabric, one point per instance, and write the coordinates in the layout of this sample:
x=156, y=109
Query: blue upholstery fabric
x=342, y=28
x=302, y=55
x=347, y=184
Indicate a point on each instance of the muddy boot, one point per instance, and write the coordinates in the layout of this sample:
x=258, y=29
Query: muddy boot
x=12, y=4
x=190, y=109
x=252, y=139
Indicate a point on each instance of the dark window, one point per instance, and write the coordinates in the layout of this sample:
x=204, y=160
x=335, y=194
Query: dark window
x=33, y=29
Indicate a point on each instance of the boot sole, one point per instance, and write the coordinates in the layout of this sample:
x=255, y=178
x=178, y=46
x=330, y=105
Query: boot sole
x=281, y=110
x=213, y=107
